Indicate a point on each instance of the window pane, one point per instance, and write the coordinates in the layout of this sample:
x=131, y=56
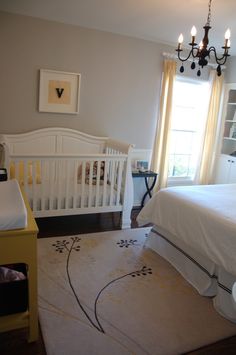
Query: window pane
x=190, y=101
x=179, y=166
x=184, y=118
x=181, y=142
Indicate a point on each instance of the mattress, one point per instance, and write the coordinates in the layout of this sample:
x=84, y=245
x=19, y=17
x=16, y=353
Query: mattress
x=203, y=217
x=13, y=213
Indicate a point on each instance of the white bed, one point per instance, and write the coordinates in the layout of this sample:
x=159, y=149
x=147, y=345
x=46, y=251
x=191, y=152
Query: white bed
x=66, y=172
x=195, y=229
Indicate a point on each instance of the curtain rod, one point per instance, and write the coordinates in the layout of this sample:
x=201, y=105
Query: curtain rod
x=174, y=56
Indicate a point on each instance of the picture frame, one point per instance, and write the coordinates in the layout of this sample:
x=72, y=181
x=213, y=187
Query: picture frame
x=232, y=133
x=59, y=91
x=141, y=165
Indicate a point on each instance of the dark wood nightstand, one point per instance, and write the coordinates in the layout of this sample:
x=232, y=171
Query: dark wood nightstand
x=149, y=186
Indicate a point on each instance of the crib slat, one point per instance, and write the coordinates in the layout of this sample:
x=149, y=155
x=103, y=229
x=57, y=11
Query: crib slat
x=42, y=183
x=59, y=181
x=51, y=183
x=34, y=192
x=105, y=183
x=119, y=181
x=98, y=177
x=58, y=184
x=25, y=176
x=112, y=182
x=67, y=172
x=90, y=183
x=75, y=184
x=83, y=183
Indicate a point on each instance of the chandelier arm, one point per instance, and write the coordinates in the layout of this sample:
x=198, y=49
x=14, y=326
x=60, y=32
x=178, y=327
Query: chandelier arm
x=187, y=58
x=221, y=60
x=196, y=55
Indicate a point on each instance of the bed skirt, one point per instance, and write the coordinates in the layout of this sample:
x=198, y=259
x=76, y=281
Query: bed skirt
x=204, y=275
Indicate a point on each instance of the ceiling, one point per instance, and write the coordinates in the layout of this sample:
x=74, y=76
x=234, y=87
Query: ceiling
x=155, y=20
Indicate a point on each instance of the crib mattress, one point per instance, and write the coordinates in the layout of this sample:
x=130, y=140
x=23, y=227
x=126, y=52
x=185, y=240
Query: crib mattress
x=13, y=213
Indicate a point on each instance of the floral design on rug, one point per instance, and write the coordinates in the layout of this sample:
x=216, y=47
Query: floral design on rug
x=126, y=243
x=68, y=246
x=62, y=245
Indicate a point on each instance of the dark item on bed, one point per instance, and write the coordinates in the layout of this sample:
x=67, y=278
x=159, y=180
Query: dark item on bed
x=14, y=294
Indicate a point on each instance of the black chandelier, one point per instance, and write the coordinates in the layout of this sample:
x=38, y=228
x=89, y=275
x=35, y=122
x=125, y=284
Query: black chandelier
x=201, y=52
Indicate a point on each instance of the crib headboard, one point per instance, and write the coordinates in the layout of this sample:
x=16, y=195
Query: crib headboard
x=53, y=141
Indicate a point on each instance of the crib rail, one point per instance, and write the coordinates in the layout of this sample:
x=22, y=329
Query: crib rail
x=70, y=184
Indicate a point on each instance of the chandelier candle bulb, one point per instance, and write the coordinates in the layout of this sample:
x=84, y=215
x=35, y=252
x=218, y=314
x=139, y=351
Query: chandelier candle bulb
x=193, y=31
x=180, y=41
x=227, y=37
x=227, y=34
x=193, y=34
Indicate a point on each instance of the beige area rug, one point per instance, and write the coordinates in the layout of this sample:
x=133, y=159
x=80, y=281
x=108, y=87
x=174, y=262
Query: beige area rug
x=106, y=294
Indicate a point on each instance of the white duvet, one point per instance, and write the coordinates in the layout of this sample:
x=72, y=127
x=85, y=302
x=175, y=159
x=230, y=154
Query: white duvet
x=204, y=217
x=13, y=213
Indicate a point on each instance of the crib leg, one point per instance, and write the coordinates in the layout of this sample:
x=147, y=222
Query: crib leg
x=125, y=219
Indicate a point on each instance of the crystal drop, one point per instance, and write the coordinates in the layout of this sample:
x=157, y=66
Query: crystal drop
x=218, y=69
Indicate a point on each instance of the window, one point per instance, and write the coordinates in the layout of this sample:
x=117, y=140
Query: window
x=190, y=103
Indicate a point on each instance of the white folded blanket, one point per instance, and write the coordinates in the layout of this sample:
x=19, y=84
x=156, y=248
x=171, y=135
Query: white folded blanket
x=13, y=213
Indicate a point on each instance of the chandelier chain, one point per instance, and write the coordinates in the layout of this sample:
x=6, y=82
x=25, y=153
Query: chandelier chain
x=209, y=14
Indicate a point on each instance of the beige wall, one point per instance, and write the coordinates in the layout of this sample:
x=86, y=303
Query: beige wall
x=120, y=78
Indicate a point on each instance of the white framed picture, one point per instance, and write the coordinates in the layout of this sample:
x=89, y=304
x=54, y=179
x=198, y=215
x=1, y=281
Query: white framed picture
x=59, y=91
x=232, y=132
x=141, y=165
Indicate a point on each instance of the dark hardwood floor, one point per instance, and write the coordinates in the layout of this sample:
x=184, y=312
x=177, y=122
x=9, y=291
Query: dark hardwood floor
x=15, y=342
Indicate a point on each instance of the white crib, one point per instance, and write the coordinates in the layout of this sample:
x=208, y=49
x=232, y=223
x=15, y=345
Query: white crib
x=66, y=172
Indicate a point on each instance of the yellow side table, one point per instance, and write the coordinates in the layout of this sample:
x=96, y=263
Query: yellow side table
x=20, y=246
